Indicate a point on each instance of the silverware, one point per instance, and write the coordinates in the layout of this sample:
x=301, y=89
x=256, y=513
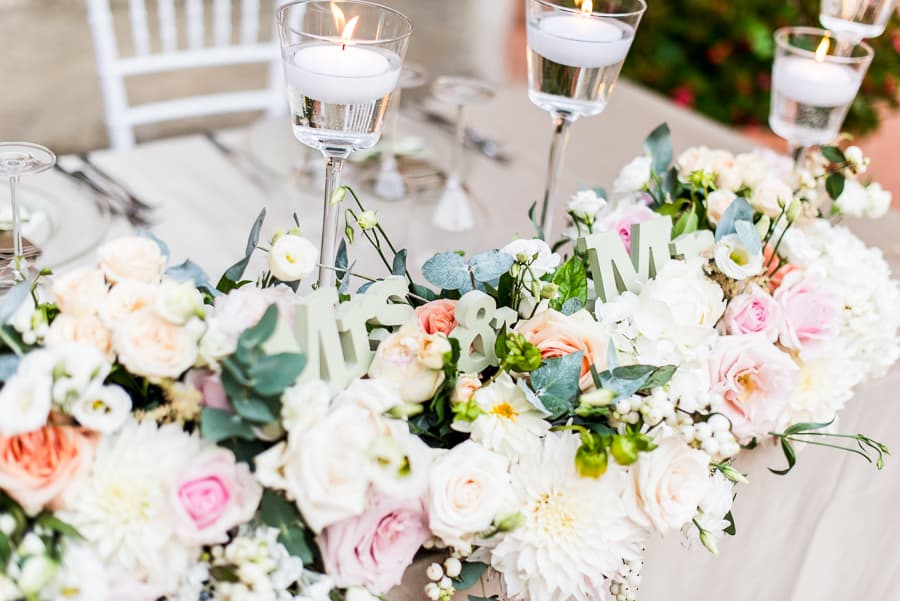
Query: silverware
x=246, y=166
x=108, y=192
x=473, y=139
x=119, y=186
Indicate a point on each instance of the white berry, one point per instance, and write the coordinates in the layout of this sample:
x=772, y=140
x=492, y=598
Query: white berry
x=453, y=567
x=434, y=572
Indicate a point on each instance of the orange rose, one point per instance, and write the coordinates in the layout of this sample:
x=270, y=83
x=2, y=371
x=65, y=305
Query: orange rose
x=35, y=468
x=437, y=317
x=776, y=274
x=556, y=334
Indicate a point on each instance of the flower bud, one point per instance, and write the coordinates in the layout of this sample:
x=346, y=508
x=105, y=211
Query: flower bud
x=599, y=397
x=624, y=450
x=762, y=226
x=590, y=464
x=549, y=291
x=733, y=474
x=37, y=572
x=795, y=209
x=709, y=542
x=367, y=220
x=509, y=522
x=338, y=195
x=405, y=410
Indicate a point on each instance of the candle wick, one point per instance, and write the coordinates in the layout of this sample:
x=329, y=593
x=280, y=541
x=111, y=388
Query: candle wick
x=343, y=47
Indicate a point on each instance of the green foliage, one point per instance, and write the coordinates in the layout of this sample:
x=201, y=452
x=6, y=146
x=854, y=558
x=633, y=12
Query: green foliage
x=471, y=572
x=717, y=57
x=451, y=271
x=231, y=279
x=555, y=383
x=834, y=185
x=572, y=284
x=516, y=353
x=810, y=433
x=279, y=513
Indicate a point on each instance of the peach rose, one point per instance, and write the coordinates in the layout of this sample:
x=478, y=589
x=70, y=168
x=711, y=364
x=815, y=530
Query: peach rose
x=35, y=468
x=88, y=329
x=776, y=274
x=437, y=317
x=125, y=298
x=557, y=335
x=80, y=291
x=152, y=347
x=132, y=258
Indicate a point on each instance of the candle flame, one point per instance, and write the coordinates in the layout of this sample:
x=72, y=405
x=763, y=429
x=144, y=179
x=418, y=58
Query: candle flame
x=340, y=21
x=349, y=29
x=343, y=25
x=822, y=50
x=587, y=7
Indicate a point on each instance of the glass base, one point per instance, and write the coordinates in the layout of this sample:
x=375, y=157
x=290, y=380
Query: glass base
x=454, y=211
x=10, y=275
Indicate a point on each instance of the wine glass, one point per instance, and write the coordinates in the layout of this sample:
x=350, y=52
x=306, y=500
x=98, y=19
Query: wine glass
x=18, y=159
x=342, y=61
x=389, y=184
x=454, y=211
x=574, y=60
x=855, y=20
x=814, y=82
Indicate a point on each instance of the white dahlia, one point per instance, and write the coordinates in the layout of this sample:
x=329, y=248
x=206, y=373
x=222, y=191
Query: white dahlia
x=575, y=533
x=123, y=507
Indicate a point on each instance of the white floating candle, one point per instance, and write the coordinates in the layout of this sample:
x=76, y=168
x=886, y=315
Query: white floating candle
x=815, y=83
x=342, y=74
x=580, y=40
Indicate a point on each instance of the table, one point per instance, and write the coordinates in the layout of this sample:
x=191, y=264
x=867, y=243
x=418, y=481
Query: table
x=826, y=532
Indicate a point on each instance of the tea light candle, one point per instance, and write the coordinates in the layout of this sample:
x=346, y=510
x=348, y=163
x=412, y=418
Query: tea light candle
x=815, y=83
x=342, y=74
x=580, y=40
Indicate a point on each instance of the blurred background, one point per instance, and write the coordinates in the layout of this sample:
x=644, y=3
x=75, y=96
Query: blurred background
x=713, y=56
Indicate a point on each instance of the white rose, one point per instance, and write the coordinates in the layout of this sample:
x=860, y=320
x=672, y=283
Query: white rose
x=25, y=400
x=692, y=160
x=304, y=405
x=545, y=260
x=717, y=203
x=667, y=485
x=585, y=205
x=752, y=168
x=735, y=260
x=80, y=291
x=88, y=329
x=293, y=258
x=634, y=176
x=690, y=298
x=103, y=409
x=432, y=348
x=728, y=176
x=152, y=347
x=133, y=258
x=467, y=488
x=178, y=302
x=373, y=395
x=770, y=195
x=397, y=362
x=125, y=298
x=879, y=201
x=326, y=469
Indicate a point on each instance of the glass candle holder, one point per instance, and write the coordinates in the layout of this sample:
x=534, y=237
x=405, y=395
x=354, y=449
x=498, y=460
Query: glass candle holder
x=342, y=62
x=856, y=20
x=814, y=82
x=574, y=59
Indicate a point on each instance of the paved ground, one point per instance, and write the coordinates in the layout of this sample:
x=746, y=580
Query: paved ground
x=50, y=91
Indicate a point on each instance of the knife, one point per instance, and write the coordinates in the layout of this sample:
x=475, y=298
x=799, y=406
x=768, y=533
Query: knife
x=246, y=166
x=473, y=139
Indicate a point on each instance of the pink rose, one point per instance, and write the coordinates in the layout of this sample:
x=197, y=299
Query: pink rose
x=753, y=313
x=209, y=384
x=374, y=549
x=213, y=495
x=811, y=311
x=437, y=317
x=622, y=218
x=755, y=379
x=35, y=468
x=243, y=308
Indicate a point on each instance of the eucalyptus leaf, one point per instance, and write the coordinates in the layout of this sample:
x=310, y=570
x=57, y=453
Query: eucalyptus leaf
x=556, y=383
x=191, y=272
x=163, y=247
x=8, y=366
x=447, y=270
x=469, y=575
x=398, y=266
x=660, y=377
x=236, y=272
x=274, y=373
x=489, y=266
x=532, y=398
x=748, y=236
x=738, y=210
x=571, y=306
x=262, y=331
x=279, y=513
x=659, y=146
x=217, y=425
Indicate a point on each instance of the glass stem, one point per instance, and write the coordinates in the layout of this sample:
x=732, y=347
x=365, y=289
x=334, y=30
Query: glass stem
x=459, y=147
x=797, y=153
x=331, y=217
x=18, y=250
x=561, y=122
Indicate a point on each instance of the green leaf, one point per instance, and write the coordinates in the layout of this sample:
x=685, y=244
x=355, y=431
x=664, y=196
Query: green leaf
x=5, y=549
x=834, y=185
x=738, y=210
x=163, y=247
x=626, y=380
x=571, y=279
x=223, y=574
x=731, y=529
x=476, y=598
x=51, y=522
x=191, y=272
x=236, y=272
x=807, y=427
x=447, y=270
x=297, y=542
x=834, y=154
x=687, y=223
x=532, y=215
x=276, y=511
x=659, y=146
x=398, y=266
x=216, y=425
x=273, y=374
x=789, y=454
x=489, y=266
x=252, y=338
x=470, y=574
x=660, y=377
x=555, y=382
x=571, y=306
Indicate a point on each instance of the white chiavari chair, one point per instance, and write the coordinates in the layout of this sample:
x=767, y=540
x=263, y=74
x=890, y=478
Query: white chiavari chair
x=235, y=39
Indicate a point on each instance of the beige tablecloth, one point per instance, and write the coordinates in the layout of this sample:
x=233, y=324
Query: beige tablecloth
x=825, y=532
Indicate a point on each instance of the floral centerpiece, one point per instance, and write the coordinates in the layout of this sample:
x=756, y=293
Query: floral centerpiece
x=538, y=410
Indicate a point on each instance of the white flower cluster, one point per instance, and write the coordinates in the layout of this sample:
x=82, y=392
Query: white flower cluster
x=264, y=569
